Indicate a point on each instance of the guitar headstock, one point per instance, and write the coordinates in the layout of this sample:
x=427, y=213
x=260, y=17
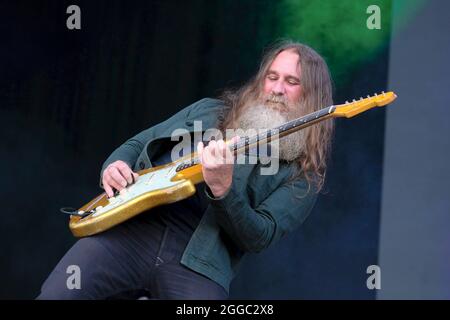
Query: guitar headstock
x=351, y=109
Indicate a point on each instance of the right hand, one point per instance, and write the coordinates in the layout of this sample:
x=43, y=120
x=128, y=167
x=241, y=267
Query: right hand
x=117, y=175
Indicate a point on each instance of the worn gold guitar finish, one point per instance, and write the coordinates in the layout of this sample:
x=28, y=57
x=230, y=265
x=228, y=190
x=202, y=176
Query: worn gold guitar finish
x=176, y=181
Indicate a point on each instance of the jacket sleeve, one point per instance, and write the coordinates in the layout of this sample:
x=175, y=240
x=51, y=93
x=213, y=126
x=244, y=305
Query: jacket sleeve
x=254, y=229
x=130, y=150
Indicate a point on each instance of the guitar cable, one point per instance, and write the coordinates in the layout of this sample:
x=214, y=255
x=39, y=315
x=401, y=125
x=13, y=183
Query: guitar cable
x=73, y=212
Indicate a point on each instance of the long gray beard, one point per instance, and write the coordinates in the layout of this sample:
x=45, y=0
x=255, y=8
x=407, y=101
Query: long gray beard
x=260, y=116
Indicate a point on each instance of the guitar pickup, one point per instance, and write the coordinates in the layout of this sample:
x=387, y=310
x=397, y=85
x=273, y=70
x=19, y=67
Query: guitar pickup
x=147, y=182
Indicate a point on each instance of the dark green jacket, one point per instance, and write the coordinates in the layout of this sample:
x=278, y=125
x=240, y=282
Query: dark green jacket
x=257, y=211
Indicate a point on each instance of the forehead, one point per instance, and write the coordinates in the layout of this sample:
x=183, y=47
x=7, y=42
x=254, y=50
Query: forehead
x=286, y=62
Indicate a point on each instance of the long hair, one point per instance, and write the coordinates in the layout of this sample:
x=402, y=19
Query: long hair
x=316, y=94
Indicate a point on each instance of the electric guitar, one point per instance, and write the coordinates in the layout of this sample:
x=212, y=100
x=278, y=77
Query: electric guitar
x=176, y=181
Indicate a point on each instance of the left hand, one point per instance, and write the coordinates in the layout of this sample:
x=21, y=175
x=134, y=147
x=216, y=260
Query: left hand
x=217, y=165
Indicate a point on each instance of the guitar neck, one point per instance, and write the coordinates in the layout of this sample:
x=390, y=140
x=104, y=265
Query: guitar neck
x=347, y=110
x=285, y=129
x=265, y=137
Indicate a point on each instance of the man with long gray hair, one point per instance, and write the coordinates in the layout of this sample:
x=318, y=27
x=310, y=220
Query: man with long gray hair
x=191, y=249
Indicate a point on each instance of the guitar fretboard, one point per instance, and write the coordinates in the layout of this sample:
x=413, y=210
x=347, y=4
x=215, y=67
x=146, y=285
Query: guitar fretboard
x=264, y=137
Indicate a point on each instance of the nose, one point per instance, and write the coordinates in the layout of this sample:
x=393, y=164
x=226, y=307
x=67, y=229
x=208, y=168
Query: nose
x=278, y=88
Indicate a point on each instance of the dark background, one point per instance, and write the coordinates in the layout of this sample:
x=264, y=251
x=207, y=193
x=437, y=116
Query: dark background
x=69, y=98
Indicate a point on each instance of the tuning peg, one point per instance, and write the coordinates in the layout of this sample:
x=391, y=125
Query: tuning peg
x=368, y=96
x=375, y=94
x=383, y=92
x=354, y=100
x=346, y=102
x=360, y=98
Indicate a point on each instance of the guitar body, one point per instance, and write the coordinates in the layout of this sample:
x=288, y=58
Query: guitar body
x=154, y=187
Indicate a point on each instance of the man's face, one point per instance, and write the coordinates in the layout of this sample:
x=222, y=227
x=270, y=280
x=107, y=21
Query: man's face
x=282, y=81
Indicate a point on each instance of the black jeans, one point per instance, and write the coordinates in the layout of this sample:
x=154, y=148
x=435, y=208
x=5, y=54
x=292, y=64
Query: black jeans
x=140, y=256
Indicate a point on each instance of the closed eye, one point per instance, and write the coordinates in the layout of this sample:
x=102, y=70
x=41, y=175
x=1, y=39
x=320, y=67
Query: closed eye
x=293, y=81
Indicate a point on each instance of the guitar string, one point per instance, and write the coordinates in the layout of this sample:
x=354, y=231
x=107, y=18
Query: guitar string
x=245, y=142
